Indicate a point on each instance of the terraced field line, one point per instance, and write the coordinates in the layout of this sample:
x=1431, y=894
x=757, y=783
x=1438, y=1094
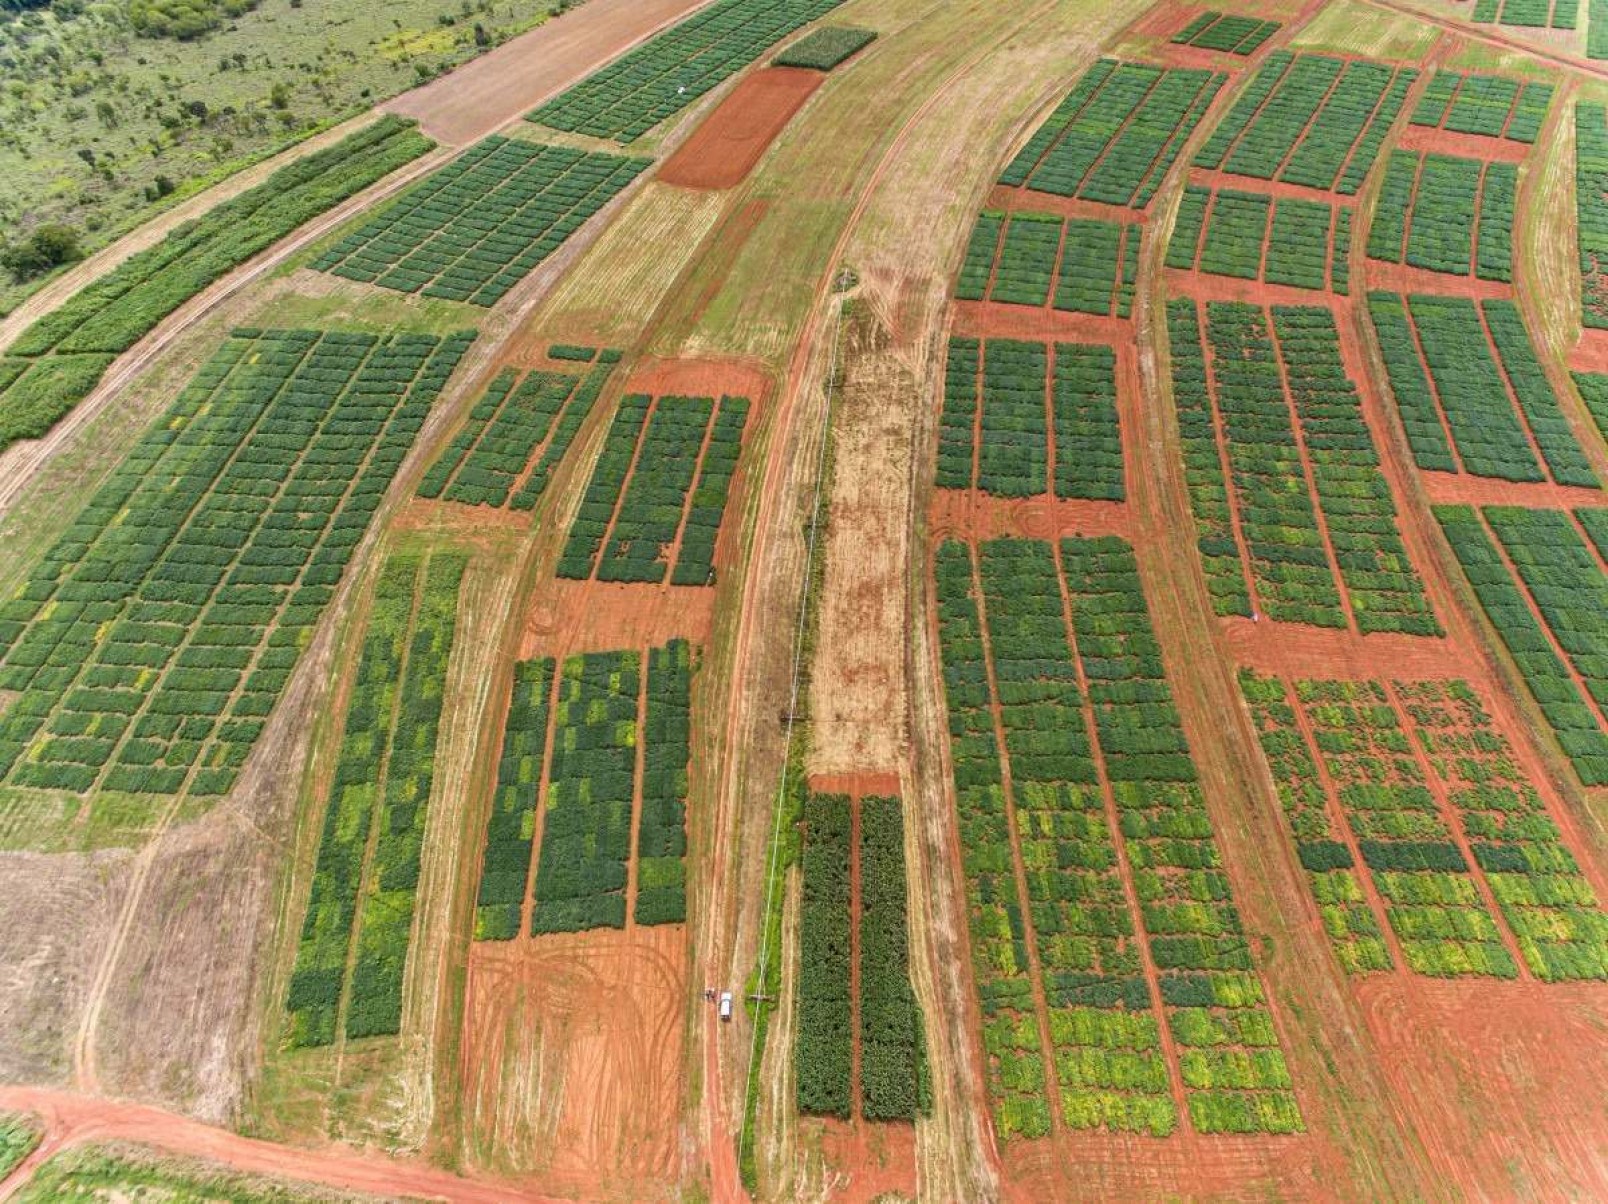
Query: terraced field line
x=539, y=820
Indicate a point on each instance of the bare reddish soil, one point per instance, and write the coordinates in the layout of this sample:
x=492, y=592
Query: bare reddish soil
x=733, y=138
x=1467, y=146
x=566, y=617
x=1298, y=650
x=1007, y=198
x=1401, y=278
x=1590, y=354
x=973, y=515
x=860, y=785
x=702, y=378
x=1446, y=488
x=1206, y=178
x=870, y=1160
x=990, y=319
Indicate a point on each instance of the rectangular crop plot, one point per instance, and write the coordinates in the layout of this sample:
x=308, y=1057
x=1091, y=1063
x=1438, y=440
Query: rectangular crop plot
x=167, y=620
x=1532, y=14
x=1006, y=400
x=1251, y=236
x=1230, y=34
x=892, y=1078
x=1115, y=135
x=1591, y=209
x=489, y=462
x=1485, y=394
x=479, y=225
x=1078, y=265
x=1117, y=943
x=1445, y=214
x=1309, y=119
x=825, y=48
x=1492, y=105
x=664, y=75
x=361, y=907
x=657, y=496
x=1309, y=511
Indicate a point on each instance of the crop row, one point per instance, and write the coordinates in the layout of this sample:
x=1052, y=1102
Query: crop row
x=1591, y=209
x=473, y=229
x=1493, y=105
x=1597, y=29
x=1446, y=214
x=658, y=494
x=1230, y=34
x=1310, y=119
x=825, y=48
x=823, y=1054
x=1565, y=584
x=360, y=911
x=1024, y=391
x=1078, y=264
x=59, y=359
x=1532, y=14
x=665, y=74
x=662, y=834
x=1115, y=134
x=510, y=829
x=516, y=415
x=1492, y=404
x=150, y=644
x=1254, y=237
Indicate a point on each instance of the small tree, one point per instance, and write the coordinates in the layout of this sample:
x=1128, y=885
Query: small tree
x=46, y=248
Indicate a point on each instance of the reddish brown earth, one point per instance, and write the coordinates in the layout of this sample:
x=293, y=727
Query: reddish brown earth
x=973, y=515
x=989, y=319
x=860, y=785
x=871, y=1161
x=1445, y=488
x=1466, y=146
x=702, y=378
x=1400, y=278
x=733, y=138
x=1590, y=354
x=566, y=617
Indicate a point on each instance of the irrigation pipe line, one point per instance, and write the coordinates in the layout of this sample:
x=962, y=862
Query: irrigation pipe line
x=792, y=713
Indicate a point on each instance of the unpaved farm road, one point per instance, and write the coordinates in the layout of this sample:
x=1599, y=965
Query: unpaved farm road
x=71, y=1120
x=1492, y=36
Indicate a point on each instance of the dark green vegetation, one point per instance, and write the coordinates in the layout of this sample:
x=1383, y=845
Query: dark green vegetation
x=1115, y=134
x=1076, y=264
x=1493, y=405
x=1237, y=226
x=518, y=415
x=476, y=227
x=19, y=1135
x=1026, y=390
x=505, y=868
x=151, y=643
x=1446, y=214
x=1349, y=105
x=1275, y=389
x=58, y=360
x=662, y=834
x=1562, y=615
x=1049, y=649
x=1591, y=207
x=823, y=1058
x=1492, y=105
x=893, y=1050
x=1534, y=14
x=661, y=77
x=657, y=496
x=1230, y=34
x=360, y=911
x=825, y=48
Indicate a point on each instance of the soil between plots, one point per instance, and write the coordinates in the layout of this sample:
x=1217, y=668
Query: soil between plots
x=723, y=150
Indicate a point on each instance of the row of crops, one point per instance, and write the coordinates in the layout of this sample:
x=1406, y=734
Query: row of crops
x=149, y=645
x=825, y=48
x=58, y=361
x=1485, y=405
x=1230, y=34
x=475, y=228
x=351, y=959
x=1309, y=119
x=892, y=1082
x=1065, y=741
x=489, y=462
x=1422, y=812
x=1308, y=523
x=1251, y=236
x=1115, y=134
x=1022, y=419
x=1078, y=265
x=1532, y=14
x=1446, y=214
x=1591, y=209
x=1538, y=576
x=1492, y=105
x=665, y=74
x=654, y=505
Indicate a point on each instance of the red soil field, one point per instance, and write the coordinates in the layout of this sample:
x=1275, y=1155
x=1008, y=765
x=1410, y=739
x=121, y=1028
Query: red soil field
x=702, y=378
x=993, y=320
x=1590, y=354
x=973, y=515
x=861, y=785
x=872, y=1162
x=1299, y=650
x=567, y=617
x=1466, y=146
x=723, y=150
x=1446, y=488
x=1007, y=198
x=1400, y=278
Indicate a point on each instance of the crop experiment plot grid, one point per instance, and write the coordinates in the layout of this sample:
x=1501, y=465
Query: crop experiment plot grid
x=654, y=506
x=489, y=462
x=1115, y=134
x=1253, y=236
x=151, y=643
x=1230, y=34
x=1309, y=119
x=352, y=958
x=1492, y=105
x=634, y=93
x=1106, y=949
x=1076, y=265
x=475, y=228
x=1533, y=14
x=1295, y=518
x=588, y=822
x=1446, y=214
x=1591, y=210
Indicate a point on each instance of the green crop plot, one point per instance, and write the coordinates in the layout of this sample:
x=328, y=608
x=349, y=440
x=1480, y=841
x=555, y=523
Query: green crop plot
x=823, y=1057
x=490, y=460
x=1115, y=135
x=893, y=1047
x=825, y=48
x=1532, y=14
x=505, y=867
x=360, y=912
x=151, y=643
x=654, y=506
x=1456, y=215
x=1250, y=236
x=1591, y=208
x=473, y=229
x=1025, y=390
x=1492, y=105
x=664, y=75
x=1078, y=264
x=1230, y=34
x=57, y=361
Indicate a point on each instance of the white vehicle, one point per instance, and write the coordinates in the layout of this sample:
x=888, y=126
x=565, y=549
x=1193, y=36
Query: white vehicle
x=725, y=1005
